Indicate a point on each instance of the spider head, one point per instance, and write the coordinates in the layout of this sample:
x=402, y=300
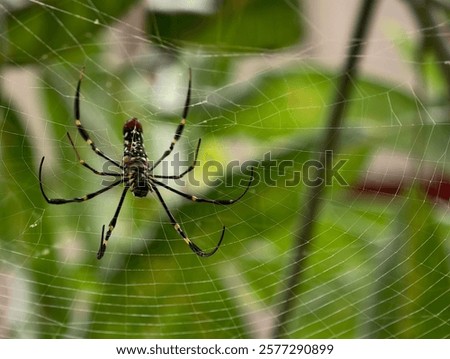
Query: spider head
x=132, y=125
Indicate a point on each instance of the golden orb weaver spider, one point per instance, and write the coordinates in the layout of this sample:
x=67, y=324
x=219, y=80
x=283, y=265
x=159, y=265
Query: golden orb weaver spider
x=137, y=173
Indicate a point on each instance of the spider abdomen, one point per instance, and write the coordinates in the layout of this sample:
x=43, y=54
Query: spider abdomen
x=137, y=177
x=135, y=161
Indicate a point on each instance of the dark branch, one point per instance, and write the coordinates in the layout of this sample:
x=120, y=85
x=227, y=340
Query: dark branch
x=424, y=14
x=303, y=236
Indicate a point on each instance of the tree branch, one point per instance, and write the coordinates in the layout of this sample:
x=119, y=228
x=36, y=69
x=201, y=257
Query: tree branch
x=310, y=207
x=423, y=12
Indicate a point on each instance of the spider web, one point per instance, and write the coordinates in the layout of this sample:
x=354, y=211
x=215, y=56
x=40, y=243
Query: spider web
x=378, y=261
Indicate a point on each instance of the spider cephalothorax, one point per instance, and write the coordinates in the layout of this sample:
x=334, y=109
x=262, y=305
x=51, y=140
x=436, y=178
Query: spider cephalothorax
x=137, y=173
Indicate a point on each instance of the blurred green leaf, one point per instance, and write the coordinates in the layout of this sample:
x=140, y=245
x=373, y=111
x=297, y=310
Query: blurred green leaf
x=410, y=296
x=249, y=25
x=27, y=238
x=49, y=30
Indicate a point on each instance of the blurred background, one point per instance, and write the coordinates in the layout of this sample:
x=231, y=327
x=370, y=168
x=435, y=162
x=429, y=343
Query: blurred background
x=264, y=81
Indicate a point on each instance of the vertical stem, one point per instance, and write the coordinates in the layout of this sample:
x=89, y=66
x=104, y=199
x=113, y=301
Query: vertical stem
x=424, y=14
x=310, y=207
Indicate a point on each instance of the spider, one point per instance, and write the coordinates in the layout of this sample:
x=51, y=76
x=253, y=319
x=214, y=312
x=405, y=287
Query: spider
x=137, y=173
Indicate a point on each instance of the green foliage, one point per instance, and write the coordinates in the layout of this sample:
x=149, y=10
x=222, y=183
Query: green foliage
x=37, y=33
x=377, y=266
x=249, y=25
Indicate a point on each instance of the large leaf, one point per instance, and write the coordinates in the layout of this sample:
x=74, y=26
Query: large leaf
x=249, y=25
x=56, y=29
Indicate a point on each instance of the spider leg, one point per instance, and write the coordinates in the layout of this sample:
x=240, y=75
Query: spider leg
x=196, y=249
x=83, y=162
x=76, y=199
x=190, y=168
x=82, y=130
x=112, y=224
x=206, y=200
x=181, y=125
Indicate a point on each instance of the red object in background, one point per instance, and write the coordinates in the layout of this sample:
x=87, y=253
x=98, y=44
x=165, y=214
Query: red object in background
x=389, y=174
x=438, y=189
x=435, y=189
x=379, y=188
